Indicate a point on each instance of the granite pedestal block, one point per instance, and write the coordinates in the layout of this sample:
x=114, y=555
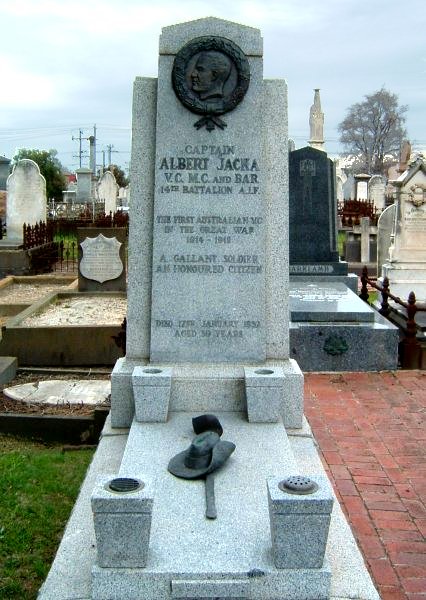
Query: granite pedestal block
x=264, y=394
x=122, y=522
x=151, y=390
x=299, y=524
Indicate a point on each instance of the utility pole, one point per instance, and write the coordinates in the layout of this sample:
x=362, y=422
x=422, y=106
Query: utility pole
x=110, y=151
x=80, y=138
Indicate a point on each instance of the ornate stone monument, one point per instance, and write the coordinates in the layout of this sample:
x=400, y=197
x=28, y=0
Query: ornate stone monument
x=207, y=333
x=316, y=123
x=406, y=263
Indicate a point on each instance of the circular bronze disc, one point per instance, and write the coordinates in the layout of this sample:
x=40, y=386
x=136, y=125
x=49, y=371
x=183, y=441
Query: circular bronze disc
x=229, y=73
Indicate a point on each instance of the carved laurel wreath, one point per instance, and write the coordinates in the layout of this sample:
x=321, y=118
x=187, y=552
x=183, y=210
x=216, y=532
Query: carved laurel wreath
x=418, y=194
x=188, y=97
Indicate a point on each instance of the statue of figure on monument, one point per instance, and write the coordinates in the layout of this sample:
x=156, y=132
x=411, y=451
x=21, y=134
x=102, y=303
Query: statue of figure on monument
x=316, y=123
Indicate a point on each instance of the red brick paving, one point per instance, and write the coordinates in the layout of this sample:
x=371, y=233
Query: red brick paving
x=371, y=431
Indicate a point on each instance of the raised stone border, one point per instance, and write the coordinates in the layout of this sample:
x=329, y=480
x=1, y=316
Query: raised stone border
x=59, y=345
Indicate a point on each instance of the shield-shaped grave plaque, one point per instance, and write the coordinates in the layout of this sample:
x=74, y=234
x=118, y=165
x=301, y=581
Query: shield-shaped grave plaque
x=101, y=258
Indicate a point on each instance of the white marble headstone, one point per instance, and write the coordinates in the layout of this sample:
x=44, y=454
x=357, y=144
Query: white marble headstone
x=107, y=192
x=26, y=198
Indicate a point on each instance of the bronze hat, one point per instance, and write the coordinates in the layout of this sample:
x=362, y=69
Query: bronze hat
x=206, y=453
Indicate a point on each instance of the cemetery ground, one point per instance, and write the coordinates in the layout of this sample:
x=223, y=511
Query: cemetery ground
x=39, y=485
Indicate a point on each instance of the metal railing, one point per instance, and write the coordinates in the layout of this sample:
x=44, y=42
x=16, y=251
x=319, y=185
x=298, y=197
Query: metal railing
x=410, y=347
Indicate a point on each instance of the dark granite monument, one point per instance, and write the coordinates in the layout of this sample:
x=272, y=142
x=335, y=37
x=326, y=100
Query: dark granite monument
x=313, y=213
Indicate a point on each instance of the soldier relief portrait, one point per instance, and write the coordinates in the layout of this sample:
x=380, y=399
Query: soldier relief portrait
x=210, y=77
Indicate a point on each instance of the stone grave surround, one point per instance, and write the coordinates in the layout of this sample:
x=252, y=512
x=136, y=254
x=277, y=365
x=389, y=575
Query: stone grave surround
x=208, y=332
x=406, y=263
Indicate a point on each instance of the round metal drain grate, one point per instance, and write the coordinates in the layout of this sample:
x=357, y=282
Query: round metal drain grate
x=125, y=484
x=297, y=484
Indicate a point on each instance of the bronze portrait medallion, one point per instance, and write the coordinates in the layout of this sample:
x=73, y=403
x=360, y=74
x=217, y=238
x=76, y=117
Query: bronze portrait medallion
x=210, y=77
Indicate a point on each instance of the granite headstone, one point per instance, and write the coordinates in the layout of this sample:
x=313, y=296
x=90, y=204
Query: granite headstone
x=313, y=215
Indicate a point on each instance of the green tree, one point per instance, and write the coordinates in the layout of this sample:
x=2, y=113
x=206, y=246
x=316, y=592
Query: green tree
x=50, y=168
x=374, y=131
x=119, y=174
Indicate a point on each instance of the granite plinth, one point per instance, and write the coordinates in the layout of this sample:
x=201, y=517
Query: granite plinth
x=327, y=302
x=122, y=523
x=151, y=391
x=264, y=394
x=299, y=524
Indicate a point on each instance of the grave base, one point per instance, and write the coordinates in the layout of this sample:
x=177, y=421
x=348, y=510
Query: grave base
x=405, y=277
x=206, y=388
x=190, y=556
x=332, y=329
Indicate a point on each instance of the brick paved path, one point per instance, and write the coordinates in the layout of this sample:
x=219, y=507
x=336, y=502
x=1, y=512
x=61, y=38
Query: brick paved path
x=371, y=431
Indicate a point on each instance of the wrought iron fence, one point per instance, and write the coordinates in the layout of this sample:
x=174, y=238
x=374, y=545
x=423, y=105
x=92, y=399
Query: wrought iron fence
x=410, y=347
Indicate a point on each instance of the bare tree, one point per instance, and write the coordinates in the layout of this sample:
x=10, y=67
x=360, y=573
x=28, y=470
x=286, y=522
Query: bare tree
x=374, y=129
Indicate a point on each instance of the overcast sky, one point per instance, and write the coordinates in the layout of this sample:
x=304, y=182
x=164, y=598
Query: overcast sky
x=66, y=65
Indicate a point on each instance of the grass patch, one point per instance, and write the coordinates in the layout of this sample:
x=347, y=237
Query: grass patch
x=38, y=488
x=70, y=246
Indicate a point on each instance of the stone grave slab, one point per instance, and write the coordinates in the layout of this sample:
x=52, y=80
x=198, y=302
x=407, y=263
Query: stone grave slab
x=59, y=391
x=327, y=302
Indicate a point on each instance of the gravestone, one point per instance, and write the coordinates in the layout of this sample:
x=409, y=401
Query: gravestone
x=107, y=192
x=361, y=183
x=406, y=264
x=26, y=198
x=4, y=172
x=349, y=188
x=207, y=331
x=102, y=256
x=313, y=217
x=385, y=226
x=376, y=191
x=84, y=185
